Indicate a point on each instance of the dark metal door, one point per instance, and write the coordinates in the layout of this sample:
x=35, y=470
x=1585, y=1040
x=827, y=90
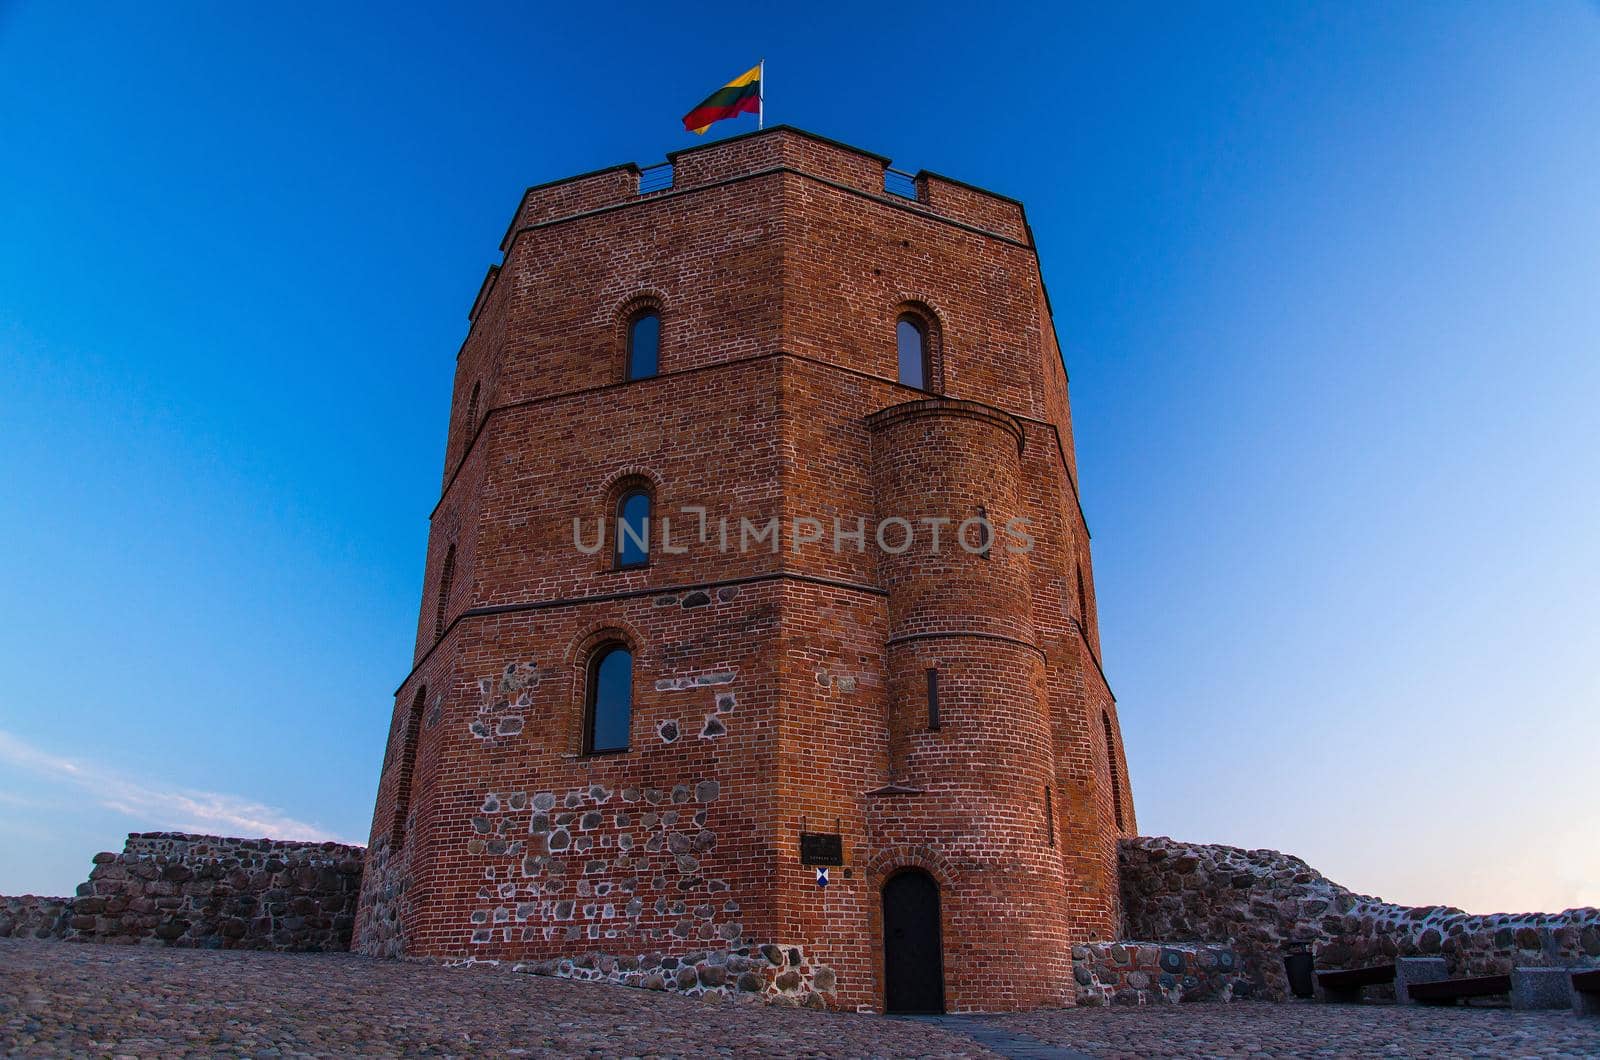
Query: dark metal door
x=913, y=964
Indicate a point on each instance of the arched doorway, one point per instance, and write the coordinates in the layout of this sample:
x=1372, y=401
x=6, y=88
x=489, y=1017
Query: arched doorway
x=913, y=959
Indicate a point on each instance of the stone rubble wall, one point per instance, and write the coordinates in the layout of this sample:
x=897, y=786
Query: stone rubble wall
x=170, y=888
x=1262, y=903
x=380, y=916
x=31, y=916
x=774, y=974
x=1147, y=973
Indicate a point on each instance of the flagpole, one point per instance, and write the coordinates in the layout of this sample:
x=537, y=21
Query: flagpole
x=761, y=93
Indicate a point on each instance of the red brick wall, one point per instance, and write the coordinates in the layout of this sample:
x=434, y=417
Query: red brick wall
x=774, y=693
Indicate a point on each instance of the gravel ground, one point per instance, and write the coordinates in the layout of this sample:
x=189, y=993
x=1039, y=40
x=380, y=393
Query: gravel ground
x=60, y=999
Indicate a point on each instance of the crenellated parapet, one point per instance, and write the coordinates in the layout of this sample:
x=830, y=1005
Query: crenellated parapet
x=779, y=149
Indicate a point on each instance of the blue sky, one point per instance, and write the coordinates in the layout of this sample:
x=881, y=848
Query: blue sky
x=1328, y=278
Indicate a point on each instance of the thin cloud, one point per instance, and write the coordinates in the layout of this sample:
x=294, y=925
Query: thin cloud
x=180, y=809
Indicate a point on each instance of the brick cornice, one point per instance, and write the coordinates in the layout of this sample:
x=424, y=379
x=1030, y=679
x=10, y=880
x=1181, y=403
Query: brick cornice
x=492, y=610
x=958, y=634
x=943, y=407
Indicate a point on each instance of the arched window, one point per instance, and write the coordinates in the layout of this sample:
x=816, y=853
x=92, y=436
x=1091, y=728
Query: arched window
x=916, y=366
x=1116, y=774
x=644, y=344
x=633, y=529
x=408, y=761
x=608, y=703
x=447, y=574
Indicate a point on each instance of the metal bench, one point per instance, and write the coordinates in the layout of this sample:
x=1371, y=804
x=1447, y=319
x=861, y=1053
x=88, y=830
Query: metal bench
x=1346, y=985
x=1414, y=971
x=1449, y=991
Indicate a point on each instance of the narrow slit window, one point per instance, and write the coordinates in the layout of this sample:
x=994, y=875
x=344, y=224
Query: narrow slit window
x=447, y=575
x=408, y=761
x=472, y=412
x=985, y=532
x=1049, y=818
x=933, y=700
x=1116, y=774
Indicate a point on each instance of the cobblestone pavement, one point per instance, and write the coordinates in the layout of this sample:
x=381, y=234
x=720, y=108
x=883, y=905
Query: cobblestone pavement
x=70, y=999
x=61, y=998
x=1261, y=1029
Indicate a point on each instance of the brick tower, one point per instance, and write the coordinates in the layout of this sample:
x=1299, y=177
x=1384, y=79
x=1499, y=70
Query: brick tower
x=785, y=746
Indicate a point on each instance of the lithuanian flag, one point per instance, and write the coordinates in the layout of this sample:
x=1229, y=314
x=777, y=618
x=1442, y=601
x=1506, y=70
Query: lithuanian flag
x=742, y=95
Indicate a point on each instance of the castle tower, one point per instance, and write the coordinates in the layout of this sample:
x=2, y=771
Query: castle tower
x=763, y=737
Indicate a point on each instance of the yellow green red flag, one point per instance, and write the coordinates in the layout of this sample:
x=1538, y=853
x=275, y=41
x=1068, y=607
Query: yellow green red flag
x=742, y=95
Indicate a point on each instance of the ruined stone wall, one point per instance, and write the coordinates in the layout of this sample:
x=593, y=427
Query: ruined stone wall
x=1145, y=973
x=1262, y=901
x=206, y=891
x=380, y=915
x=782, y=975
x=31, y=916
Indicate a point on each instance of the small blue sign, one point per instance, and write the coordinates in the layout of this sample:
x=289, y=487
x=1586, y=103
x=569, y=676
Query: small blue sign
x=822, y=876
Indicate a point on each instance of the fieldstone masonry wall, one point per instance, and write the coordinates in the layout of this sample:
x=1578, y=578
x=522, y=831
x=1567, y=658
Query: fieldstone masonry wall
x=1261, y=902
x=1143, y=973
x=379, y=930
x=565, y=879
x=31, y=916
x=777, y=974
x=169, y=888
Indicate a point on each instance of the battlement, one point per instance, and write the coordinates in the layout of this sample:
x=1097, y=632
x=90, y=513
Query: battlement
x=781, y=148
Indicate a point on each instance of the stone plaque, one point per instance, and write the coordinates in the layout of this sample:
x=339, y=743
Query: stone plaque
x=821, y=848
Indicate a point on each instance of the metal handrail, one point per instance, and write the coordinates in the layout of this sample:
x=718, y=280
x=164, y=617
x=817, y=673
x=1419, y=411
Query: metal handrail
x=899, y=182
